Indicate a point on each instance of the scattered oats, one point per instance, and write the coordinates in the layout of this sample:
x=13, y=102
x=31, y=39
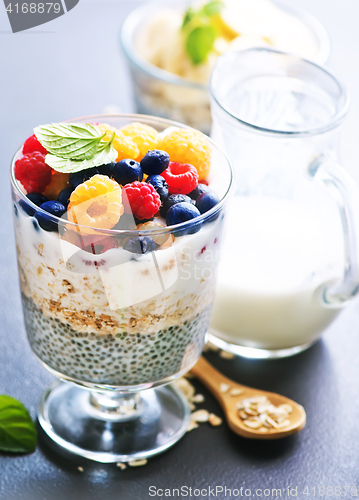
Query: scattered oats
x=192, y=425
x=121, y=465
x=224, y=388
x=285, y=423
x=189, y=375
x=227, y=355
x=258, y=399
x=197, y=398
x=242, y=414
x=286, y=407
x=214, y=420
x=186, y=387
x=253, y=423
x=258, y=412
x=211, y=347
x=200, y=416
x=235, y=391
x=137, y=463
x=252, y=413
x=192, y=406
x=80, y=469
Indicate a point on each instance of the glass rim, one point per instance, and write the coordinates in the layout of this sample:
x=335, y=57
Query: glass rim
x=129, y=232
x=132, y=20
x=334, y=121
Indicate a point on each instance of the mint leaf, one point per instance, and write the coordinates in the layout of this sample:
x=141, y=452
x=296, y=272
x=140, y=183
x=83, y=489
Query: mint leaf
x=17, y=429
x=189, y=15
x=199, y=43
x=77, y=141
x=65, y=165
x=212, y=8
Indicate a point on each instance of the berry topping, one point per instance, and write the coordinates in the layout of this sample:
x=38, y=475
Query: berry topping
x=189, y=146
x=161, y=238
x=96, y=203
x=143, y=201
x=145, y=137
x=54, y=208
x=142, y=244
x=125, y=146
x=32, y=144
x=182, y=212
x=105, y=169
x=78, y=178
x=155, y=162
x=160, y=185
x=173, y=199
x=200, y=189
x=127, y=171
x=206, y=201
x=95, y=244
x=36, y=198
x=58, y=182
x=33, y=173
x=64, y=196
x=180, y=177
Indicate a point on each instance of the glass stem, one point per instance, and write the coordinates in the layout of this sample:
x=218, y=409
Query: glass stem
x=116, y=405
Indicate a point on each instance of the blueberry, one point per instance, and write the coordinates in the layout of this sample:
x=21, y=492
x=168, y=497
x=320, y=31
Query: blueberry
x=172, y=200
x=160, y=185
x=206, y=201
x=142, y=244
x=127, y=171
x=78, y=178
x=64, y=196
x=106, y=169
x=182, y=212
x=200, y=189
x=36, y=198
x=155, y=162
x=54, y=208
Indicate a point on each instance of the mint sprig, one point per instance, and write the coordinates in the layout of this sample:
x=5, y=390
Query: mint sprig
x=199, y=30
x=76, y=140
x=106, y=154
x=74, y=147
x=17, y=429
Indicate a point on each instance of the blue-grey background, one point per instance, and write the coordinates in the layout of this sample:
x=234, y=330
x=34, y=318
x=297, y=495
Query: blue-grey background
x=73, y=67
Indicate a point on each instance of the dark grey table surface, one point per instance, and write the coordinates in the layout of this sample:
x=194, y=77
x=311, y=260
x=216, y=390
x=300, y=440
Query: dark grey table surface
x=73, y=67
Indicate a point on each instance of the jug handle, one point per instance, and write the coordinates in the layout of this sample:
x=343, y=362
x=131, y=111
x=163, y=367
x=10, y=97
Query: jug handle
x=334, y=177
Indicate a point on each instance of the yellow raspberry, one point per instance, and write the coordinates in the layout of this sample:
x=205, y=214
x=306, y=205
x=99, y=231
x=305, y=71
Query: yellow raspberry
x=189, y=146
x=124, y=145
x=146, y=137
x=96, y=203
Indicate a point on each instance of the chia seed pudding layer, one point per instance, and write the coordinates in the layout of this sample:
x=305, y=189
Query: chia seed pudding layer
x=123, y=359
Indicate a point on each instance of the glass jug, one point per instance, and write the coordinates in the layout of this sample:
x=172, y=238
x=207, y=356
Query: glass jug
x=289, y=260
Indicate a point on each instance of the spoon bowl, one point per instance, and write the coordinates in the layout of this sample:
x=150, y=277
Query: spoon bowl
x=251, y=413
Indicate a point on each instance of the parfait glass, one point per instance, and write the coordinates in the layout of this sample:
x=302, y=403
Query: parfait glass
x=117, y=326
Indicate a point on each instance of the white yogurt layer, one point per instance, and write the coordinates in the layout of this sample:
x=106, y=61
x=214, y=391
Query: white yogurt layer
x=117, y=290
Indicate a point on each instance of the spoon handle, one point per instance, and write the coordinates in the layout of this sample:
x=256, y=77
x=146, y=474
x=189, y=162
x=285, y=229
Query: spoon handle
x=211, y=377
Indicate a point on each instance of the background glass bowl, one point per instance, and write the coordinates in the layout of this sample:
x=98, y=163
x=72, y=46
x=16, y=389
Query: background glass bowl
x=159, y=92
x=115, y=323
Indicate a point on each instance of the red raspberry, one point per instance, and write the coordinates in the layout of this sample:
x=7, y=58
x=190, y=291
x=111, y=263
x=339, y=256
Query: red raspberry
x=143, y=200
x=181, y=178
x=33, y=173
x=32, y=144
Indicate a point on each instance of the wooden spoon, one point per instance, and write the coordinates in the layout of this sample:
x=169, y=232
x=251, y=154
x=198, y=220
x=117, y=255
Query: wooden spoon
x=229, y=394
